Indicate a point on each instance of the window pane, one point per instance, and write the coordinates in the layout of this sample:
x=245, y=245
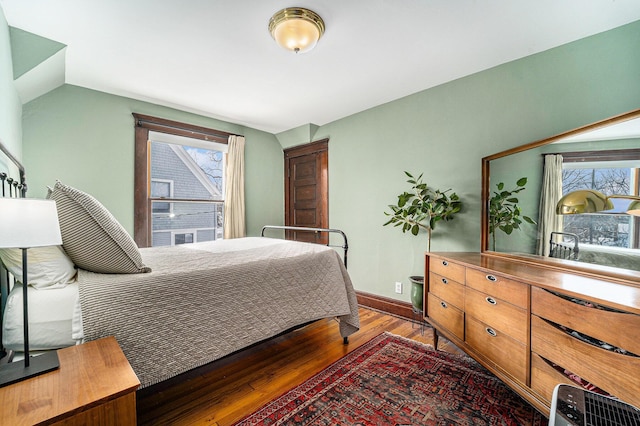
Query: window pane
x=195, y=173
x=183, y=238
x=161, y=189
x=189, y=173
x=195, y=221
x=613, y=230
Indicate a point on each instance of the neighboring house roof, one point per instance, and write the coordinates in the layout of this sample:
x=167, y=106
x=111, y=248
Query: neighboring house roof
x=182, y=154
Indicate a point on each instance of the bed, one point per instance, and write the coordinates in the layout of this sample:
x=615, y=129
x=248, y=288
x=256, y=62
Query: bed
x=171, y=309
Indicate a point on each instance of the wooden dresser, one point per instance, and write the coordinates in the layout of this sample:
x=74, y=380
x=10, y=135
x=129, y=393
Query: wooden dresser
x=535, y=326
x=94, y=385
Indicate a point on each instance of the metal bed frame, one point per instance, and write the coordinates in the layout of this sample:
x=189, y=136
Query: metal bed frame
x=18, y=188
x=15, y=188
x=563, y=249
x=344, y=246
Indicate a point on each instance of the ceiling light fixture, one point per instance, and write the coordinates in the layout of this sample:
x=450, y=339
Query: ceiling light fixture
x=296, y=29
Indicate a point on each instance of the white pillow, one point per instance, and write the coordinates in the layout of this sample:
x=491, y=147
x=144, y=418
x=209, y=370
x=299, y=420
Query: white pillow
x=50, y=318
x=48, y=267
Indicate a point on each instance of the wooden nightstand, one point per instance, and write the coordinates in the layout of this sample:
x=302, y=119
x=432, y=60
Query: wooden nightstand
x=94, y=385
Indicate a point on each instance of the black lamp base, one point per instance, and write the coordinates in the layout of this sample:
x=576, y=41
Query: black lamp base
x=16, y=371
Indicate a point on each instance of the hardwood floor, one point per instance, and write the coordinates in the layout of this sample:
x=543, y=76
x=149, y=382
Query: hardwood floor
x=230, y=390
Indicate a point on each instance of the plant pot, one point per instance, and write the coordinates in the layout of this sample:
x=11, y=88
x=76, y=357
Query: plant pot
x=417, y=291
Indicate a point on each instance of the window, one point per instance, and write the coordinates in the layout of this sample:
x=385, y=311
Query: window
x=615, y=175
x=192, y=178
x=179, y=183
x=161, y=189
x=183, y=238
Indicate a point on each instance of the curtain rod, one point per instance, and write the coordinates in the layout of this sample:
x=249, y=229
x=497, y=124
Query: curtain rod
x=601, y=155
x=174, y=125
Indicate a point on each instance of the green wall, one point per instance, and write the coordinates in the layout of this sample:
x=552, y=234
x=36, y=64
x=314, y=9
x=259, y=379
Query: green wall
x=10, y=105
x=85, y=139
x=30, y=50
x=445, y=131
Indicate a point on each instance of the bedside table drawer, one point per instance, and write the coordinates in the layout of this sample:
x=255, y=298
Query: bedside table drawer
x=503, y=350
x=497, y=314
x=447, y=315
x=447, y=289
x=447, y=269
x=498, y=286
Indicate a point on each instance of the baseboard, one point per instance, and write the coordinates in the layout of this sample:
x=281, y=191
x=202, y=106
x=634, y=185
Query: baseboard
x=386, y=304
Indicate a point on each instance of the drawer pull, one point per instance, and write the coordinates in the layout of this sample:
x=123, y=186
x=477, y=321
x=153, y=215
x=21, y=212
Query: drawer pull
x=492, y=278
x=491, y=332
x=491, y=300
x=445, y=281
x=445, y=263
x=444, y=305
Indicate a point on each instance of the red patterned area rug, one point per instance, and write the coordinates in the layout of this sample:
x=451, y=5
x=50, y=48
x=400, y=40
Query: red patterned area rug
x=391, y=380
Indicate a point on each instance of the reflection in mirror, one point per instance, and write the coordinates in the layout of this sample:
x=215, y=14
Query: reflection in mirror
x=604, y=157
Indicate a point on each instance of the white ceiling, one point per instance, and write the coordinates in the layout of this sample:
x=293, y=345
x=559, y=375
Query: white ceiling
x=216, y=57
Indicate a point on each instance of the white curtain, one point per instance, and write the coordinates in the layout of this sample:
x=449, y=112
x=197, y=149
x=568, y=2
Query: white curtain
x=548, y=220
x=234, y=221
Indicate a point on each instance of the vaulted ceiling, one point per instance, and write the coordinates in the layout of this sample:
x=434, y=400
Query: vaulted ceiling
x=216, y=57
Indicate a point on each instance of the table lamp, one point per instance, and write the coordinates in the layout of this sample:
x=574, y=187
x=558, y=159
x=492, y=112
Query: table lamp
x=26, y=223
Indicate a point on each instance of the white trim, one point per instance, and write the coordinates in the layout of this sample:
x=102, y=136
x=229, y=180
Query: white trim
x=183, y=140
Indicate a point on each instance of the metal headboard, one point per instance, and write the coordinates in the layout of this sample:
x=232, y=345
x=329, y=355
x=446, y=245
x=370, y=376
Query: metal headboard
x=15, y=188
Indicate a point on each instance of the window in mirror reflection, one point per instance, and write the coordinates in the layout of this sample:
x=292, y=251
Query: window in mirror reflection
x=608, y=177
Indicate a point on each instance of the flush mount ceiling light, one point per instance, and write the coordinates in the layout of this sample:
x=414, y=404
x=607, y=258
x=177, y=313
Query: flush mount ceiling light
x=296, y=29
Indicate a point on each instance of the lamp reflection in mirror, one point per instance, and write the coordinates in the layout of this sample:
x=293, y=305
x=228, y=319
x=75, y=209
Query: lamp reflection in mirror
x=28, y=223
x=634, y=208
x=591, y=201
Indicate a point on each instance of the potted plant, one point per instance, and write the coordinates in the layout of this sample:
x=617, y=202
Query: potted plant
x=422, y=207
x=504, y=212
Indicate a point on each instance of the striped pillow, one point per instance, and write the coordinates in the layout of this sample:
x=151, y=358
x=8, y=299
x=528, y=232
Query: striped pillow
x=92, y=237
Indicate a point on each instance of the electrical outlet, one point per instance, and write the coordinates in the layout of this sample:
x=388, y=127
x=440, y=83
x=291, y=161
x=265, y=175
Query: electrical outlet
x=398, y=287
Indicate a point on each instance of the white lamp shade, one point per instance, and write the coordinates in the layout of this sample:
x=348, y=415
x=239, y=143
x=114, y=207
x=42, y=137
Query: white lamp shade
x=28, y=222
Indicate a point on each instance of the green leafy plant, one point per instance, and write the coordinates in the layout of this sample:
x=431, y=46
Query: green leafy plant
x=504, y=212
x=422, y=207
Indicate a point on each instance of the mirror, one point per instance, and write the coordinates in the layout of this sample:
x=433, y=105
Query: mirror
x=609, y=244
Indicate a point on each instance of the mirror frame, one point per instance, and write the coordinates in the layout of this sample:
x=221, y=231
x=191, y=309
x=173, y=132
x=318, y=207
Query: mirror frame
x=610, y=273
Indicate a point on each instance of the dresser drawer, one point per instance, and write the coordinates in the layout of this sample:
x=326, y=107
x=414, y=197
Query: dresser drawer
x=507, y=353
x=611, y=327
x=447, y=269
x=447, y=289
x=497, y=314
x=615, y=373
x=498, y=286
x=544, y=378
x=447, y=315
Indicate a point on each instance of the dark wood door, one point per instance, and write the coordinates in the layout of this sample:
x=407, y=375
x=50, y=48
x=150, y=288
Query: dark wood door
x=306, y=190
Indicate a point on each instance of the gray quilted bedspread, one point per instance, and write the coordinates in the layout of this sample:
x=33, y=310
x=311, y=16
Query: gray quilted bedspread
x=204, y=301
